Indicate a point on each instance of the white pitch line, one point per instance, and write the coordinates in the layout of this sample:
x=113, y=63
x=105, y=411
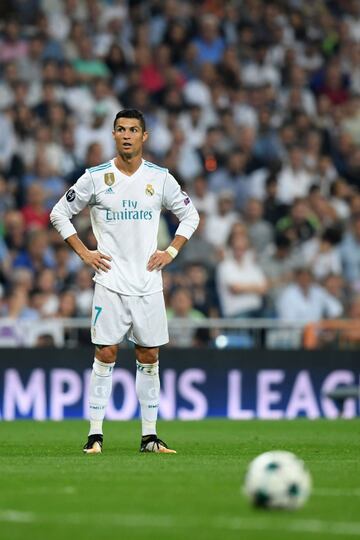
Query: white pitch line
x=125, y=520
x=48, y=490
x=334, y=528
x=330, y=528
x=14, y=516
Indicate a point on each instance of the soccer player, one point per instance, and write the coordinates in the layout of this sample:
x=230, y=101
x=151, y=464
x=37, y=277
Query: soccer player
x=125, y=196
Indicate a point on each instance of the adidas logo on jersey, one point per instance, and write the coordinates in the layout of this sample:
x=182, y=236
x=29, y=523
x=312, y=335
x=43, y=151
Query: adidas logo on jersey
x=110, y=191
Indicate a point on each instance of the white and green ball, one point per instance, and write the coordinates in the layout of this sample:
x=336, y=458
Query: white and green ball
x=277, y=479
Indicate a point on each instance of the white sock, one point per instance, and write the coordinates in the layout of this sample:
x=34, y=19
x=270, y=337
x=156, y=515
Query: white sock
x=148, y=392
x=99, y=393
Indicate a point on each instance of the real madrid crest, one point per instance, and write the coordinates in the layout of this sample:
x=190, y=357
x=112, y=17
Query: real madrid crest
x=109, y=178
x=149, y=190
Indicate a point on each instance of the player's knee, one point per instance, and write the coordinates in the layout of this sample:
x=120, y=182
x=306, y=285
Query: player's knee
x=106, y=353
x=147, y=355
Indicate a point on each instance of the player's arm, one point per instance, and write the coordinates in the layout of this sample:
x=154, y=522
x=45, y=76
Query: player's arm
x=180, y=204
x=160, y=259
x=95, y=259
x=70, y=204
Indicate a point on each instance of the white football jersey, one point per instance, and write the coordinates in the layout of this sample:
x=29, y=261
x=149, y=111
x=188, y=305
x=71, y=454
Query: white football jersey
x=125, y=212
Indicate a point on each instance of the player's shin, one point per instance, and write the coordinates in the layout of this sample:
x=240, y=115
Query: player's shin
x=148, y=392
x=99, y=393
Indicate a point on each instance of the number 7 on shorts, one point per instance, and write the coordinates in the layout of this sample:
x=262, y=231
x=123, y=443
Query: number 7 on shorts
x=98, y=310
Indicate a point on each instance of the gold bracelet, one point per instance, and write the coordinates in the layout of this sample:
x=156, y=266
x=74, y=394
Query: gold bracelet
x=172, y=251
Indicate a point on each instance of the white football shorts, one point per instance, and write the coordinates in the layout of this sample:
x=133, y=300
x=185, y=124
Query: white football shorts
x=142, y=319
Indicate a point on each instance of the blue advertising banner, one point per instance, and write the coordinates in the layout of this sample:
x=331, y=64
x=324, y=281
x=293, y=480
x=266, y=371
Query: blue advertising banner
x=52, y=384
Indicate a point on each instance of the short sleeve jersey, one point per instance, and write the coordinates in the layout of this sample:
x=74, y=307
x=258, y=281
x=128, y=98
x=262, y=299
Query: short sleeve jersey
x=125, y=212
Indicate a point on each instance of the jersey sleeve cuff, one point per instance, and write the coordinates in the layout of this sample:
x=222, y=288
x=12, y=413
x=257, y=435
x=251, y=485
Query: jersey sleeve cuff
x=67, y=230
x=185, y=230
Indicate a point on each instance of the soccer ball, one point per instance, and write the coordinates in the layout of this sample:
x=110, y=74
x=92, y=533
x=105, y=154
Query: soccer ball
x=277, y=479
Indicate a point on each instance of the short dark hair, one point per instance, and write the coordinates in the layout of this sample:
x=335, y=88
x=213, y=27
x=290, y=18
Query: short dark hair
x=131, y=113
x=282, y=241
x=332, y=235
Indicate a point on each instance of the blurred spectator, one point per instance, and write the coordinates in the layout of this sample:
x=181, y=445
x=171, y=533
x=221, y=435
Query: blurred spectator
x=232, y=177
x=209, y=44
x=22, y=278
x=203, y=199
x=340, y=193
x=17, y=305
x=199, y=249
x=298, y=84
x=201, y=288
x=117, y=63
x=321, y=208
x=278, y=263
x=53, y=186
x=35, y=214
x=350, y=253
x=212, y=152
x=181, y=307
x=86, y=65
x=67, y=305
x=273, y=209
x=7, y=142
x=194, y=123
x=49, y=98
x=322, y=255
x=335, y=285
x=304, y=300
x=176, y=38
x=241, y=283
x=10, y=76
x=268, y=145
x=351, y=335
x=229, y=68
x=258, y=71
x=300, y=225
x=65, y=265
x=14, y=232
x=77, y=97
x=197, y=91
x=293, y=181
x=217, y=226
x=98, y=130
x=325, y=174
x=353, y=170
x=13, y=46
x=84, y=292
x=37, y=254
x=334, y=84
x=94, y=156
x=46, y=287
x=7, y=200
x=260, y=232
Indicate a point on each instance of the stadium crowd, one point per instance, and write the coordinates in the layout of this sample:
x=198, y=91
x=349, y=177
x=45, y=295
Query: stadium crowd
x=253, y=105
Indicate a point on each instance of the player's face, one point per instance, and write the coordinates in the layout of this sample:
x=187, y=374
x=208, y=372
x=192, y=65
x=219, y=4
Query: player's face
x=129, y=137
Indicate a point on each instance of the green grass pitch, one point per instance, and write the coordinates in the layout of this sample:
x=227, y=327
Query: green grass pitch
x=50, y=490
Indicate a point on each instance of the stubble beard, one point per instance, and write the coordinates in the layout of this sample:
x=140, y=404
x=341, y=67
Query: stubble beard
x=126, y=156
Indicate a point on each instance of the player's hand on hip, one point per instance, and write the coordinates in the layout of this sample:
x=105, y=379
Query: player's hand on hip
x=97, y=260
x=159, y=260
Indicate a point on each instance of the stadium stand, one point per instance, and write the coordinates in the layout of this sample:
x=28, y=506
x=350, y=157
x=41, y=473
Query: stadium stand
x=253, y=105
